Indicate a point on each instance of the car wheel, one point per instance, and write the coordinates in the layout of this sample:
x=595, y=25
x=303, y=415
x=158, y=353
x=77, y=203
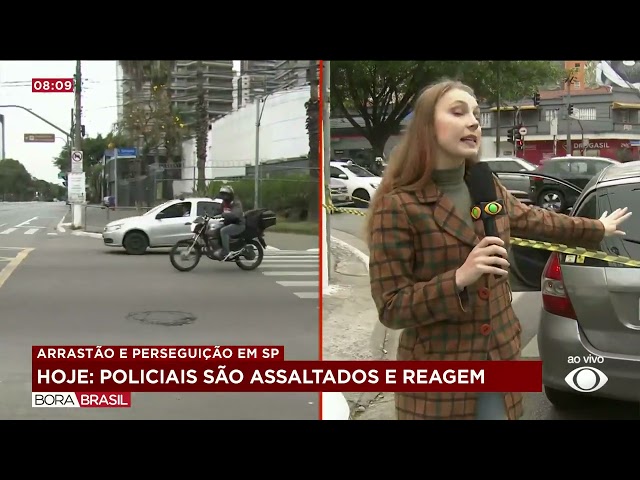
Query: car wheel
x=552, y=200
x=135, y=243
x=361, y=198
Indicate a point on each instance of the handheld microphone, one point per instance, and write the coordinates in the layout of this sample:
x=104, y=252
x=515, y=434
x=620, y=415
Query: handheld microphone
x=483, y=193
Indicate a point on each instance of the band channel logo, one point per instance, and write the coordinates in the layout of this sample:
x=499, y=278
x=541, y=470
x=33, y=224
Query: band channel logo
x=586, y=379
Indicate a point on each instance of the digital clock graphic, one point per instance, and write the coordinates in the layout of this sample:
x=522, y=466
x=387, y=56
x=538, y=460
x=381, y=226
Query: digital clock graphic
x=52, y=85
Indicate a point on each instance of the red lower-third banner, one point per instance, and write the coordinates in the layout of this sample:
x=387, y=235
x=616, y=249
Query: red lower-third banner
x=284, y=376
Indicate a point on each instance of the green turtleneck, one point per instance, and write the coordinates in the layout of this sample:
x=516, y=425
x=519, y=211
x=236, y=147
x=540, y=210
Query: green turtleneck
x=451, y=183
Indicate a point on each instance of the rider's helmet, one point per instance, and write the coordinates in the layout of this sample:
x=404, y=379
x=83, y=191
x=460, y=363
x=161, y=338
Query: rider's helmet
x=226, y=193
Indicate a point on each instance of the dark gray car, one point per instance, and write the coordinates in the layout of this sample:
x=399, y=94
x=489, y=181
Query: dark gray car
x=589, y=334
x=507, y=169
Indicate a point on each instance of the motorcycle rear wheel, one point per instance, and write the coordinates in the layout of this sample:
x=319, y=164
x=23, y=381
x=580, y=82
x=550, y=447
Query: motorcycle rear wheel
x=195, y=250
x=259, y=251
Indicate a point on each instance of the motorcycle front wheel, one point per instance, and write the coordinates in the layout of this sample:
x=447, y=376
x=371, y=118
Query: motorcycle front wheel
x=258, y=254
x=185, y=250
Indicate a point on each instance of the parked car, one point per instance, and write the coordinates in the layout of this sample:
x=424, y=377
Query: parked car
x=590, y=314
x=361, y=183
x=551, y=195
x=507, y=169
x=162, y=226
x=339, y=193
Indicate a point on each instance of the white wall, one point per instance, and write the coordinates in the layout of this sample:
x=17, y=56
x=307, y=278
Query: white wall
x=232, y=138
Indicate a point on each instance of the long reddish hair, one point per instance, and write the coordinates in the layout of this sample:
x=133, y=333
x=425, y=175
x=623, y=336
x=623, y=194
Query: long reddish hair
x=411, y=163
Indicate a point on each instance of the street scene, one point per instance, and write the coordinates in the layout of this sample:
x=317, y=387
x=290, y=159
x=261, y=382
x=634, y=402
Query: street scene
x=533, y=165
x=87, y=254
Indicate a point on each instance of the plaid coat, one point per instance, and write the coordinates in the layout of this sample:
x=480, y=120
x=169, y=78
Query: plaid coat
x=418, y=242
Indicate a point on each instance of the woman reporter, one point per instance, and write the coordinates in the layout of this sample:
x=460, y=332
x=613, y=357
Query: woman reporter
x=433, y=272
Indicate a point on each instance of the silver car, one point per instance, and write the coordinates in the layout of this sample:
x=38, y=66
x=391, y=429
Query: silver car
x=162, y=226
x=507, y=169
x=589, y=334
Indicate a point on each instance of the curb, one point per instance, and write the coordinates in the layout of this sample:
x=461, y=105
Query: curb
x=355, y=251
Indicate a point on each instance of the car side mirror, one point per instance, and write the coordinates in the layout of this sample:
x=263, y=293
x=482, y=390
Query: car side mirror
x=343, y=176
x=160, y=216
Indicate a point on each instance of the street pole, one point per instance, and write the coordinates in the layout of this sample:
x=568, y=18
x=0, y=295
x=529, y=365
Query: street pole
x=569, y=81
x=326, y=157
x=256, y=168
x=498, y=109
x=3, y=138
x=78, y=205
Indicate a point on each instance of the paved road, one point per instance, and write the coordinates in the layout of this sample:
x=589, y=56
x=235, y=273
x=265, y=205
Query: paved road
x=527, y=305
x=71, y=290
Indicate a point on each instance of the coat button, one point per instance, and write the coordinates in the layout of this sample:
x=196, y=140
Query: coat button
x=483, y=293
x=485, y=329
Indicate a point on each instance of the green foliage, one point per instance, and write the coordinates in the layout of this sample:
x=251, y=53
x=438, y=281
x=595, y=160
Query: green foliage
x=287, y=196
x=16, y=184
x=383, y=92
x=93, y=149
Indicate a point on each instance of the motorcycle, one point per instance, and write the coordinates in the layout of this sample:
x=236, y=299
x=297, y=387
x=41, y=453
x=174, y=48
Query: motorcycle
x=248, y=246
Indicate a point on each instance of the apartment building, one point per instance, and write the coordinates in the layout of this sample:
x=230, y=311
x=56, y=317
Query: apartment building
x=218, y=85
x=258, y=77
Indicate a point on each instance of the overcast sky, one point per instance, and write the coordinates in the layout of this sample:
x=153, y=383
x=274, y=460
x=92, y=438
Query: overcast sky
x=99, y=108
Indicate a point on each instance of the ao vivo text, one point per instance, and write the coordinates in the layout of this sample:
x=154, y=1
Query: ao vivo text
x=145, y=373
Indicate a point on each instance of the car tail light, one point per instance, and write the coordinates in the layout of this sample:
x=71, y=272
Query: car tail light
x=536, y=179
x=554, y=295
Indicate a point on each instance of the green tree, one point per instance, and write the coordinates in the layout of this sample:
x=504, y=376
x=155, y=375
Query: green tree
x=92, y=148
x=382, y=92
x=16, y=183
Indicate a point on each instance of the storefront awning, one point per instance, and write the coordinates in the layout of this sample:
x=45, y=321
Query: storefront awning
x=620, y=105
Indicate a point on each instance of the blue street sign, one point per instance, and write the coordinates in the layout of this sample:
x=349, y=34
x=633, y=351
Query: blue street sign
x=127, y=152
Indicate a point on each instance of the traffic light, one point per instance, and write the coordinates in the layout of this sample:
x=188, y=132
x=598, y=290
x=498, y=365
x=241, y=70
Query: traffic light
x=64, y=181
x=511, y=135
x=83, y=132
x=570, y=109
x=519, y=144
x=536, y=99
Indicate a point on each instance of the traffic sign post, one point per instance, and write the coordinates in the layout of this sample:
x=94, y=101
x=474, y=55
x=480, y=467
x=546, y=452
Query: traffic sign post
x=76, y=161
x=39, y=138
x=523, y=131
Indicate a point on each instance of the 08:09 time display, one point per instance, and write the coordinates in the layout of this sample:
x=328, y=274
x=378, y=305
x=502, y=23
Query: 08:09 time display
x=46, y=85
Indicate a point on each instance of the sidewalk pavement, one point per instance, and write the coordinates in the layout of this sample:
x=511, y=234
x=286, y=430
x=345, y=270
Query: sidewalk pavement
x=351, y=330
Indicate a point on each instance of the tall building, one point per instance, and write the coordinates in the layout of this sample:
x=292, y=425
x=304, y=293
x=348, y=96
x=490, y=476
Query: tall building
x=258, y=77
x=218, y=85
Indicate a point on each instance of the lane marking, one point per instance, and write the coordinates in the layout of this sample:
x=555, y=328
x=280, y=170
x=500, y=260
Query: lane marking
x=31, y=231
x=6, y=272
x=8, y=231
x=26, y=222
x=59, y=227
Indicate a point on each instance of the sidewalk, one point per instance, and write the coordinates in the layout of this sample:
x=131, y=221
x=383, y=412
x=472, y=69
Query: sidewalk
x=351, y=330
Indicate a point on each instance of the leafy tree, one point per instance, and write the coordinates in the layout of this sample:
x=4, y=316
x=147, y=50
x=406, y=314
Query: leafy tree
x=382, y=92
x=15, y=181
x=92, y=148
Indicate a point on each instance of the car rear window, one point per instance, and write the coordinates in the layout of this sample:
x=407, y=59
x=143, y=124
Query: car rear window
x=608, y=199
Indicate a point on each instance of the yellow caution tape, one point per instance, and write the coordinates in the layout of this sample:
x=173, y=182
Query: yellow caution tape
x=579, y=252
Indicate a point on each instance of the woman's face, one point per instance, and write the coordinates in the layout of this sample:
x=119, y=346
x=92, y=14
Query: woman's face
x=457, y=126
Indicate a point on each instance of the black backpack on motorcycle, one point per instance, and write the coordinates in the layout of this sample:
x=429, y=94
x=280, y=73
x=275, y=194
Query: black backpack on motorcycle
x=259, y=219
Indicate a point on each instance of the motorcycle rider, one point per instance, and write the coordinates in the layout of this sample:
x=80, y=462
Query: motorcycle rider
x=233, y=216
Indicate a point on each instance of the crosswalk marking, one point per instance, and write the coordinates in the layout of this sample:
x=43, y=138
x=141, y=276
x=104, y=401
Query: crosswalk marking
x=31, y=231
x=8, y=231
x=282, y=264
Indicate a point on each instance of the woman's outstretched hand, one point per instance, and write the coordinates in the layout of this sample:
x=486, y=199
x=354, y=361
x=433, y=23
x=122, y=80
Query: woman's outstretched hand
x=611, y=222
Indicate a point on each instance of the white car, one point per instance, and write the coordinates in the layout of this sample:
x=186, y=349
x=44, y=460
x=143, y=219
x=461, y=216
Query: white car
x=162, y=226
x=361, y=183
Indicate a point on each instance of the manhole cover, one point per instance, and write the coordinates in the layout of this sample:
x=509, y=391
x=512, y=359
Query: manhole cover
x=164, y=318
